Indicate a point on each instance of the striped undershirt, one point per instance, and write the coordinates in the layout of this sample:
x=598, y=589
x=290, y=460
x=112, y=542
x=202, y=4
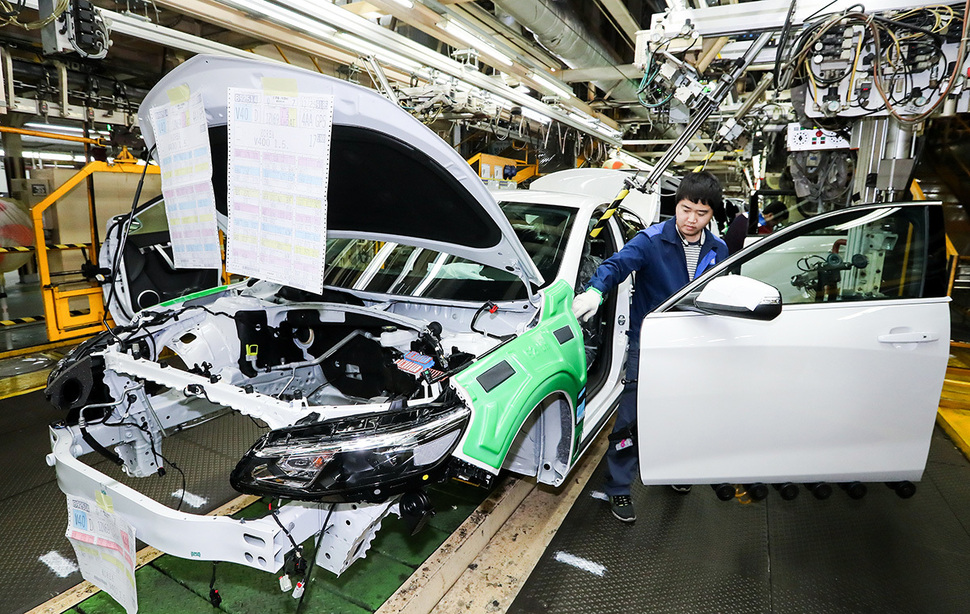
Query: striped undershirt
x=692, y=252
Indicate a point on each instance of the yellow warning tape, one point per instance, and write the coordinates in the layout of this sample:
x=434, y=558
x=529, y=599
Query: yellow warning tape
x=31, y=319
x=4, y=250
x=15, y=321
x=601, y=223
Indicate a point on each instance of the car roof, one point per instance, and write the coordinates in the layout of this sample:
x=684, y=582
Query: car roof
x=584, y=203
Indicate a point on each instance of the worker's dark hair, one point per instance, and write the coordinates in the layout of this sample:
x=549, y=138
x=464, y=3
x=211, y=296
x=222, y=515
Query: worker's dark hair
x=778, y=211
x=703, y=188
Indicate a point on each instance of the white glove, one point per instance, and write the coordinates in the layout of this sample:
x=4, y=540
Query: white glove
x=586, y=304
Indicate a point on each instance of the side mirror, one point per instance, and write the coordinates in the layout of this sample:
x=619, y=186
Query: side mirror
x=739, y=297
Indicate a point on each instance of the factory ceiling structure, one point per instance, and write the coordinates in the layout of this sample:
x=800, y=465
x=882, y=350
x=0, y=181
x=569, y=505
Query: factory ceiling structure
x=570, y=82
x=540, y=71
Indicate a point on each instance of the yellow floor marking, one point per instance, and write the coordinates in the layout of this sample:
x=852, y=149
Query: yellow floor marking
x=16, y=385
x=953, y=414
x=38, y=348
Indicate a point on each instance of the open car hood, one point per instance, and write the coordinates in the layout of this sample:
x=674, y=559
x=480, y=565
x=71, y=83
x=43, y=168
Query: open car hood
x=391, y=178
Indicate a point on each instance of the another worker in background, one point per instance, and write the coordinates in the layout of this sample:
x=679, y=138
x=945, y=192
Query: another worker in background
x=773, y=217
x=731, y=212
x=737, y=228
x=776, y=216
x=666, y=257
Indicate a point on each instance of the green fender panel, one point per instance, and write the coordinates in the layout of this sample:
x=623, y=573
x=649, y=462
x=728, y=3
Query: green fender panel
x=505, y=385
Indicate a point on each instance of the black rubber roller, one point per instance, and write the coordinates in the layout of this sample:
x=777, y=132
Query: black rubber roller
x=788, y=491
x=904, y=489
x=757, y=491
x=855, y=490
x=820, y=490
x=724, y=492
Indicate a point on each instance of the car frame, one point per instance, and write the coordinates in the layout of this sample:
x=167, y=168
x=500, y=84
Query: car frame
x=369, y=395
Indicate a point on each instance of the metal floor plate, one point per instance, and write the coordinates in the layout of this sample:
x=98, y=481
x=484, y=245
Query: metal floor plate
x=693, y=554
x=33, y=511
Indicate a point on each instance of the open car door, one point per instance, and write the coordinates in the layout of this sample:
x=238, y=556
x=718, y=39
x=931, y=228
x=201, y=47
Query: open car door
x=841, y=383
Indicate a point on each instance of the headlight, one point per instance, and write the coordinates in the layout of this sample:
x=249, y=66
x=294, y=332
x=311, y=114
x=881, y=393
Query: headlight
x=353, y=459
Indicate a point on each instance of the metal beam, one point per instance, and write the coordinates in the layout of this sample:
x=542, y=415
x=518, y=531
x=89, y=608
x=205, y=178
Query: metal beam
x=600, y=73
x=761, y=15
x=332, y=16
x=622, y=16
x=167, y=37
x=644, y=142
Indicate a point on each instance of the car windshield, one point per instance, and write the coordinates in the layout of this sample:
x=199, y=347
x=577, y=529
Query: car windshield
x=397, y=268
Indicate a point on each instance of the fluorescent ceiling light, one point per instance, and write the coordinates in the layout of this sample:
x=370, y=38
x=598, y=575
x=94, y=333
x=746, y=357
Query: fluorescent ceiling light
x=501, y=102
x=462, y=34
x=69, y=130
x=50, y=156
x=535, y=115
x=632, y=160
x=344, y=20
x=582, y=117
x=526, y=111
x=284, y=17
x=596, y=124
x=552, y=86
x=405, y=3
x=356, y=44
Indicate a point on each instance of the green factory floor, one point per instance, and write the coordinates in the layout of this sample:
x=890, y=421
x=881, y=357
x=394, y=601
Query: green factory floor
x=170, y=584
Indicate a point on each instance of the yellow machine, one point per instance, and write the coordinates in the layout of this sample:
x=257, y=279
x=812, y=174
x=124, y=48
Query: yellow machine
x=491, y=169
x=74, y=308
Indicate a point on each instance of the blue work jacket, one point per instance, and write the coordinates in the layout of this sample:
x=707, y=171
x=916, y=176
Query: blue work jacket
x=657, y=256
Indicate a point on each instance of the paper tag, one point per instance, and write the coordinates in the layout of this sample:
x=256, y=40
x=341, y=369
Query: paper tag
x=105, y=547
x=185, y=160
x=278, y=174
x=624, y=444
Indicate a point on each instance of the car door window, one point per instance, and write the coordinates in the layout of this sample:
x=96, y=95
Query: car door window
x=860, y=254
x=630, y=223
x=149, y=220
x=543, y=231
x=595, y=250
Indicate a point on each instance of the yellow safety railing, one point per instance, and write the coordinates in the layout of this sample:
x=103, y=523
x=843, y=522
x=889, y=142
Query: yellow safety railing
x=61, y=320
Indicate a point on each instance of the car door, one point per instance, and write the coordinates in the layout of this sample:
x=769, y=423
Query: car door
x=842, y=385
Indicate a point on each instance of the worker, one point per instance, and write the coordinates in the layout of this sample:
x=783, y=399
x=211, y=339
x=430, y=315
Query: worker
x=776, y=216
x=665, y=257
x=737, y=229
